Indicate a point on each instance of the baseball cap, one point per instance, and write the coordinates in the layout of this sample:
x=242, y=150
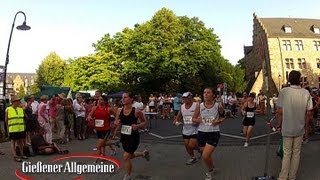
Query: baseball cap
x=187, y=94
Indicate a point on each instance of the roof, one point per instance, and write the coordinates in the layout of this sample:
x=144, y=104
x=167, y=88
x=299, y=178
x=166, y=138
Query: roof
x=301, y=28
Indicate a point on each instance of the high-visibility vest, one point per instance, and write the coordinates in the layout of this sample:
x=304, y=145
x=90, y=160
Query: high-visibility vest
x=15, y=119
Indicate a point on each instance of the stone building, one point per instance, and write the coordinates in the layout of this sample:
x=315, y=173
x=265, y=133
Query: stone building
x=16, y=81
x=280, y=45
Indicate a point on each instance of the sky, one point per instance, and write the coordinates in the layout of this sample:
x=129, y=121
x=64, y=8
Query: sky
x=69, y=27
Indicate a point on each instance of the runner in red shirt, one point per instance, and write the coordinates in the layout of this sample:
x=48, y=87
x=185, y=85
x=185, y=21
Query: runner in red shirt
x=100, y=114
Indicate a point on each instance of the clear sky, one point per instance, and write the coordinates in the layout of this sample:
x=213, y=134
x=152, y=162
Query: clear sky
x=69, y=27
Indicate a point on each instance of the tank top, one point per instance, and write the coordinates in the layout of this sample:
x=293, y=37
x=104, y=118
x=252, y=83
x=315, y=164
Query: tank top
x=207, y=116
x=129, y=120
x=188, y=127
x=101, y=114
x=250, y=112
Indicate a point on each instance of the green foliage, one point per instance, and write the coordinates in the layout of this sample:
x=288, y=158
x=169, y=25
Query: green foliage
x=34, y=89
x=168, y=53
x=51, y=71
x=94, y=72
x=21, y=92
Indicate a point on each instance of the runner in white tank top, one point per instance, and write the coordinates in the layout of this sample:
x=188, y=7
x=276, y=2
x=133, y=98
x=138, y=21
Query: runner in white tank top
x=189, y=131
x=208, y=115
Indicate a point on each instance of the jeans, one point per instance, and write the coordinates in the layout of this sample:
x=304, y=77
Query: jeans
x=80, y=125
x=291, y=157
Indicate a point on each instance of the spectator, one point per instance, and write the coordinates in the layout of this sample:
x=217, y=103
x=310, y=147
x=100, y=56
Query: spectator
x=41, y=147
x=294, y=109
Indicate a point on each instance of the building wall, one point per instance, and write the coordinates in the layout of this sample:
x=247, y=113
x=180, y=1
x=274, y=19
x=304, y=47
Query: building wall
x=278, y=54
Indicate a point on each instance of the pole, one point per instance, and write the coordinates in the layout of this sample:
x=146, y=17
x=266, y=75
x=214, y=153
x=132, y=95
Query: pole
x=4, y=84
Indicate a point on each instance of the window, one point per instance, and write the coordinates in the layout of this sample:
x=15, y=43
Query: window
x=319, y=81
x=304, y=81
x=287, y=75
x=287, y=29
x=316, y=29
x=318, y=63
x=317, y=45
x=287, y=45
x=299, y=45
x=302, y=63
x=289, y=63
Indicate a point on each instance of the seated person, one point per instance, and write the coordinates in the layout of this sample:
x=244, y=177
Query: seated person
x=41, y=147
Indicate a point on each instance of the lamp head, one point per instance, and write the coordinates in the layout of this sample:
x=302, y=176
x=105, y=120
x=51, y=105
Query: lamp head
x=24, y=27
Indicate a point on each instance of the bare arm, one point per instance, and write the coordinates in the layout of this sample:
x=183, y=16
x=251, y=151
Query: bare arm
x=143, y=121
x=279, y=117
x=196, y=116
x=178, y=117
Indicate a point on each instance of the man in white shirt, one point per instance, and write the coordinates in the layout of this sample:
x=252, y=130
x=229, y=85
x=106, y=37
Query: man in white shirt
x=294, y=110
x=137, y=103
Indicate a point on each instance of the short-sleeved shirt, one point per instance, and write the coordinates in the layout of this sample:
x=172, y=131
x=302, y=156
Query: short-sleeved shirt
x=294, y=101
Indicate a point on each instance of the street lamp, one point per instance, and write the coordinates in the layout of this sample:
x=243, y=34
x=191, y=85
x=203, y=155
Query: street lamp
x=23, y=27
x=279, y=77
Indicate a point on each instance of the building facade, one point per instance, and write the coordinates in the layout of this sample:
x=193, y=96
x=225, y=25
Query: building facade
x=18, y=81
x=280, y=45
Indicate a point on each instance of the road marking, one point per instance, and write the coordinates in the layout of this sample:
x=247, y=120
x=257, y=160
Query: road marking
x=222, y=134
x=158, y=136
x=174, y=136
x=264, y=135
x=232, y=136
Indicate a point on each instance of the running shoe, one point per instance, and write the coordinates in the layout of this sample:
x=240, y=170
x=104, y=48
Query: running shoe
x=127, y=177
x=209, y=176
x=245, y=144
x=191, y=161
x=146, y=155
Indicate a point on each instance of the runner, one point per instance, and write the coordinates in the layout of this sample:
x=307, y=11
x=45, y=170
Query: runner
x=249, y=117
x=101, y=116
x=127, y=118
x=209, y=115
x=189, y=132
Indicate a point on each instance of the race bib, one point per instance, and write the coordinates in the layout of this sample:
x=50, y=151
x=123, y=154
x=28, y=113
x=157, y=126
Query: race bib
x=250, y=114
x=208, y=120
x=187, y=119
x=126, y=129
x=99, y=122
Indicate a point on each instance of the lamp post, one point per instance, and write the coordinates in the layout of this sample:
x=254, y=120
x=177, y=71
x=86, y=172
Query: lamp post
x=279, y=77
x=22, y=27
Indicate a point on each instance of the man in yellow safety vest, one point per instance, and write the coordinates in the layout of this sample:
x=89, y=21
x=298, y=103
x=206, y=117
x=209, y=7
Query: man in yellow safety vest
x=16, y=127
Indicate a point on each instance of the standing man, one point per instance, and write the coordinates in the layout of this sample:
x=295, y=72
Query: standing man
x=294, y=109
x=16, y=126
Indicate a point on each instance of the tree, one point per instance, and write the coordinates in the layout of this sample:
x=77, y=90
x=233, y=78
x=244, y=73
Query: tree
x=94, y=72
x=51, y=71
x=21, y=92
x=166, y=53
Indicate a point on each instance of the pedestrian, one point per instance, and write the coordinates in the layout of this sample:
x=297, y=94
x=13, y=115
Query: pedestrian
x=16, y=125
x=249, y=120
x=43, y=118
x=190, y=130
x=127, y=118
x=32, y=125
x=294, y=109
x=209, y=115
x=80, y=113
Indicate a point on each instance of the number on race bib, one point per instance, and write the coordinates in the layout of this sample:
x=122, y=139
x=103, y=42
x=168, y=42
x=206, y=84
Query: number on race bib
x=126, y=129
x=250, y=114
x=208, y=120
x=99, y=123
x=187, y=119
